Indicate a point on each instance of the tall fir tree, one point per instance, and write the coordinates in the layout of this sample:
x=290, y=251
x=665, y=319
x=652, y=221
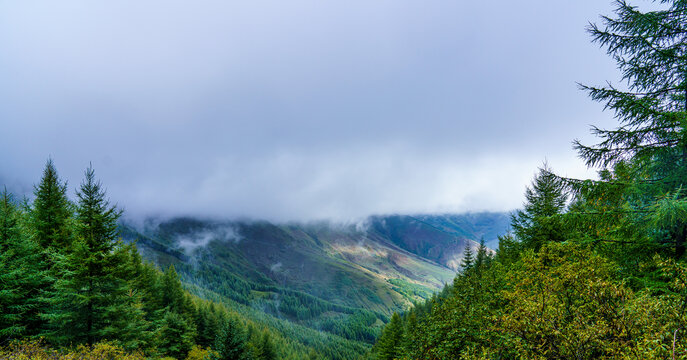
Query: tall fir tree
x=231, y=341
x=176, y=328
x=94, y=301
x=468, y=259
x=482, y=258
x=539, y=221
x=208, y=320
x=51, y=212
x=389, y=344
x=650, y=142
x=9, y=222
x=172, y=292
x=145, y=283
x=22, y=276
x=174, y=336
x=265, y=348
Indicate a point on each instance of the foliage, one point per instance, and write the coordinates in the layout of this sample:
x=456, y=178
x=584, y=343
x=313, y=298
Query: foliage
x=604, y=277
x=540, y=221
x=231, y=341
x=92, y=296
x=199, y=353
x=93, y=301
x=468, y=259
x=37, y=350
x=21, y=275
x=265, y=349
x=51, y=213
x=645, y=158
x=387, y=345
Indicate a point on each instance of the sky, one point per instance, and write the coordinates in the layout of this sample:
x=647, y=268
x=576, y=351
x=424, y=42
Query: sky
x=299, y=110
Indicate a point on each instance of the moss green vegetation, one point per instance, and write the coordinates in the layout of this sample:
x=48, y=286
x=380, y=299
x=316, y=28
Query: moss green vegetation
x=592, y=269
x=69, y=279
x=71, y=289
x=325, y=286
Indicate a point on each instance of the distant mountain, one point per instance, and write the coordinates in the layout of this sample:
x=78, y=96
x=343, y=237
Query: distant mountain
x=473, y=226
x=343, y=279
x=440, y=238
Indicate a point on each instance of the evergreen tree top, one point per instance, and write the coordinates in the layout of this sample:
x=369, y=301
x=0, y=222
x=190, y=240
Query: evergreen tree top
x=650, y=49
x=51, y=210
x=468, y=258
x=8, y=219
x=97, y=219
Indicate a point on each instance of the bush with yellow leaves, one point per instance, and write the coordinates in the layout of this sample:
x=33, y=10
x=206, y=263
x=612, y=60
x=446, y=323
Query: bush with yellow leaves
x=37, y=350
x=198, y=353
x=566, y=302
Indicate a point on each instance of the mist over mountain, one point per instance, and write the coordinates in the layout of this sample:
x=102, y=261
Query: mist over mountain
x=441, y=238
x=345, y=279
x=437, y=238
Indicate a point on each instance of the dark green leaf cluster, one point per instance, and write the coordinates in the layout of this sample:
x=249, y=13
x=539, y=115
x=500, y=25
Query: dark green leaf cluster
x=593, y=269
x=66, y=276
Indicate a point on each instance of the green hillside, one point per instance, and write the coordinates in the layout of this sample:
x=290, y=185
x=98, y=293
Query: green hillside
x=338, y=283
x=341, y=282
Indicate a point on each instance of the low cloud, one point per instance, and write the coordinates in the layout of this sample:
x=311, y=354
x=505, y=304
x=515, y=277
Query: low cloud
x=191, y=242
x=287, y=111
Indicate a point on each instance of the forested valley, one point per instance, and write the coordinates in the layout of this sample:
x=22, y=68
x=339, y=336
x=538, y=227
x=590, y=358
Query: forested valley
x=69, y=283
x=78, y=282
x=592, y=269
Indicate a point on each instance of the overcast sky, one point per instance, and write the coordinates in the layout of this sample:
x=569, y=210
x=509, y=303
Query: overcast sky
x=293, y=110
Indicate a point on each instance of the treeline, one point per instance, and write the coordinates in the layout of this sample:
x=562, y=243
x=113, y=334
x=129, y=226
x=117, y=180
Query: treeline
x=592, y=269
x=358, y=326
x=350, y=323
x=67, y=279
x=355, y=324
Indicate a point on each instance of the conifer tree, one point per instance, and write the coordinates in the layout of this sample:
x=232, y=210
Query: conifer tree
x=651, y=52
x=22, y=278
x=207, y=320
x=174, y=335
x=50, y=226
x=94, y=301
x=144, y=283
x=96, y=219
x=176, y=328
x=265, y=348
x=482, y=257
x=411, y=332
x=172, y=292
x=51, y=211
x=650, y=49
x=539, y=221
x=468, y=259
x=231, y=341
x=10, y=302
x=509, y=249
x=9, y=224
x=389, y=343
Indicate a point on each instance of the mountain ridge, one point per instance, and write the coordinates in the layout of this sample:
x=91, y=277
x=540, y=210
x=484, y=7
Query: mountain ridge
x=345, y=279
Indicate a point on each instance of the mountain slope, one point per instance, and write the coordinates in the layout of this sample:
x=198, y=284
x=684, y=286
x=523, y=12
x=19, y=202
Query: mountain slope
x=440, y=238
x=343, y=279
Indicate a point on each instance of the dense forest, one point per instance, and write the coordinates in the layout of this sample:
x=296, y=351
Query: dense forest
x=72, y=289
x=592, y=269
